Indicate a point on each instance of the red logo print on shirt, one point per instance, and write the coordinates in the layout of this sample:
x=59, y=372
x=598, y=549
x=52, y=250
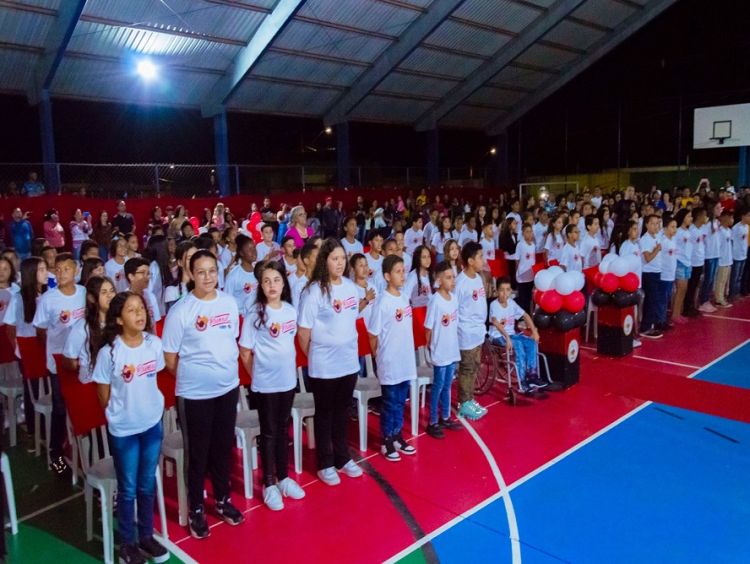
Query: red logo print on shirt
x=128, y=371
x=528, y=256
x=201, y=323
x=348, y=303
x=118, y=275
x=64, y=316
x=401, y=313
x=370, y=273
x=445, y=320
x=275, y=329
x=670, y=252
x=248, y=287
x=576, y=258
x=685, y=240
x=476, y=294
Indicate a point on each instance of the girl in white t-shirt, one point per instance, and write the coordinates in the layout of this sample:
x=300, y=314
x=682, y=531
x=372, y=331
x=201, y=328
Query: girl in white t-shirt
x=420, y=281
x=440, y=236
x=200, y=349
x=115, y=266
x=240, y=282
x=268, y=353
x=392, y=343
x=327, y=333
x=185, y=250
x=725, y=259
x=683, y=250
x=125, y=374
x=86, y=337
x=668, y=268
x=349, y=242
x=367, y=293
x=441, y=332
x=452, y=255
x=554, y=241
x=308, y=254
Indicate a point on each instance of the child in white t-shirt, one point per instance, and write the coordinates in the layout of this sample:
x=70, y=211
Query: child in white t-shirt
x=469, y=232
x=268, y=353
x=571, y=259
x=115, y=266
x=668, y=268
x=241, y=283
x=554, y=241
x=392, y=343
x=138, y=274
x=85, y=338
x=267, y=248
x=652, y=258
x=726, y=219
x=308, y=254
x=414, y=236
x=739, y=254
x=526, y=252
x=349, y=242
x=125, y=375
x=419, y=282
x=375, y=259
x=504, y=312
x=591, y=250
x=441, y=333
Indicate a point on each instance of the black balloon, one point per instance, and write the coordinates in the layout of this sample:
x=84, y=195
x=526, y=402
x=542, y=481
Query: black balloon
x=600, y=298
x=579, y=318
x=542, y=319
x=621, y=298
x=565, y=321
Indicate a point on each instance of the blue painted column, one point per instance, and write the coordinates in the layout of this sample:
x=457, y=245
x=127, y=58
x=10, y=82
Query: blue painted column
x=433, y=157
x=221, y=151
x=47, y=133
x=502, y=175
x=743, y=174
x=343, y=155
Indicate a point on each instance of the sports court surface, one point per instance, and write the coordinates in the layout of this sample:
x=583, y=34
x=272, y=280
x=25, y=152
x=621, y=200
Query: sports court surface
x=645, y=460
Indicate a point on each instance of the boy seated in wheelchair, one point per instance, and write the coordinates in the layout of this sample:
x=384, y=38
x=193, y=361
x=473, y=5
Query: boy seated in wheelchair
x=504, y=312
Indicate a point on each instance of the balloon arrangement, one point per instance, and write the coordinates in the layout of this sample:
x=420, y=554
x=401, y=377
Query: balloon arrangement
x=560, y=300
x=616, y=282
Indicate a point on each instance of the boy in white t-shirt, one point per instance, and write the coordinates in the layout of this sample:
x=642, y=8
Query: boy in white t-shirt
x=441, y=332
x=392, y=343
x=739, y=254
x=668, y=269
x=375, y=259
x=651, y=280
x=267, y=248
x=526, y=251
x=472, y=317
x=504, y=312
x=726, y=219
x=57, y=311
x=349, y=242
x=138, y=273
x=414, y=236
x=571, y=259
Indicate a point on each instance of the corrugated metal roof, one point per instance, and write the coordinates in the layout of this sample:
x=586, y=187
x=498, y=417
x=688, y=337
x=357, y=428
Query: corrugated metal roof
x=297, y=68
x=574, y=35
x=546, y=57
x=455, y=35
x=470, y=117
x=495, y=97
x=24, y=28
x=507, y=14
x=370, y=16
x=427, y=60
x=523, y=78
x=105, y=40
x=18, y=69
x=609, y=13
x=417, y=85
x=261, y=96
x=303, y=36
x=382, y=108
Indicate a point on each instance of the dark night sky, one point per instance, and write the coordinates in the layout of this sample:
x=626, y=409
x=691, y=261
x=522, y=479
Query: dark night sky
x=695, y=52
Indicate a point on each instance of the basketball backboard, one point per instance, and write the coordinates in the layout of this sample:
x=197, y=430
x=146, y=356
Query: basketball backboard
x=721, y=126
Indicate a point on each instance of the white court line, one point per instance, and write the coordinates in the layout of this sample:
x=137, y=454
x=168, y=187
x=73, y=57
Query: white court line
x=726, y=317
x=176, y=550
x=481, y=505
x=51, y=506
x=651, y=359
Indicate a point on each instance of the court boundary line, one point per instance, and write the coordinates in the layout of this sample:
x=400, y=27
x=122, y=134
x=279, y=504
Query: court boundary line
x=726, y=317
x=522, y=480
x=672, y=362
x=46, y=508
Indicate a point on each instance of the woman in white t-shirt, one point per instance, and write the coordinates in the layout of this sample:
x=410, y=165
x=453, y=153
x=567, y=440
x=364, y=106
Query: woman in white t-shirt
x=200, y=349
x=125, y=374
x=327, y=334
x=268, y=353
x=85, y=338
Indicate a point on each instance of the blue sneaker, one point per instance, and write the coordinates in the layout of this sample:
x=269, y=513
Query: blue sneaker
x=467, y=410
x=481, y=410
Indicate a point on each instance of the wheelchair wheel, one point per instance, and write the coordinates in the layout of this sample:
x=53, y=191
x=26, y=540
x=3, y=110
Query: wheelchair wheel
x=487, y=371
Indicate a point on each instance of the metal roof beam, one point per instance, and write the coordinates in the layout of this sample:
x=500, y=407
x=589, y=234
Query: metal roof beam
x=598, y=50
x=249, y=56
x=417, y=32
x=510, y=51
x=55, y=45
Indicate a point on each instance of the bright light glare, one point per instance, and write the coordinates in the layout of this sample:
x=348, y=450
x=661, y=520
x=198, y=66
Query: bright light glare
x=146, y=69
x=328, y=130
x=493, y=151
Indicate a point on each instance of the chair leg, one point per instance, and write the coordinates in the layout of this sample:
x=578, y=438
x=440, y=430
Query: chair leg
x=362, y=419
x=253, y=454
x=107, y=534
x=37, y=433
x=88, y=496
x=423, y=400
x=160, y=503
x=48, y=429
x=414, y=393
x=310, y=426
x=246, y=467
x=297, y=440
x=12, y=423
x=9, y=495
x=169, y=468
x=182, y=502
x=74, y=459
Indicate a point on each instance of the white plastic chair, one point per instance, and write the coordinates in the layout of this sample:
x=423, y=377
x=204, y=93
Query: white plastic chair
x=247, y=429
x=42, y=408
x=425, y=373
x=172, y=447
x=10, y=497
x=303, y=409
x=99, y=473
x=11, y=388
x=592, y=311
x=365, y=390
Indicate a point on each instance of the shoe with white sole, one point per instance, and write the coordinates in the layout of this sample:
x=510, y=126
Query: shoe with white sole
x=351, y=469
x=272, y=498
x=329, y=476
x=290, y=488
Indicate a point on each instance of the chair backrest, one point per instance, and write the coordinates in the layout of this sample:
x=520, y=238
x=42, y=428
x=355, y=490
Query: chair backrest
x=167, y=384
x=169, y=420
x=81, y=400
x=363, y=339
x=418, y=315
x=33, y=357
x=7, y=350
x=498, y=265
x=301, y=380
x=301, y=356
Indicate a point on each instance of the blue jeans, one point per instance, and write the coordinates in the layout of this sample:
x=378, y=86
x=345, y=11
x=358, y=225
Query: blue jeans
x=652, y=300
x=525, y=350
x=136, y=458
x=735, y=278
x=440, y=395
x=665, y=287
x=709, y=275
x=392, y=411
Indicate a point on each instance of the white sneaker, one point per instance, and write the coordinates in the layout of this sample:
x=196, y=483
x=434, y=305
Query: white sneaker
x=707, y=308
x=329, y=476
x=351, y=469
x=290, y=488
x=636, y=343
x=272, y=498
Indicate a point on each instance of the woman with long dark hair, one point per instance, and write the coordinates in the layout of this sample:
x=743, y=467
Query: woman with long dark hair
x=267, y=350
x=181, y=285
x=157, y=253
x=328, y=336
x=102, y=234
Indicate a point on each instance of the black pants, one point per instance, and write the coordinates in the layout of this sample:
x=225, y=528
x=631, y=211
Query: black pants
x=208, y=436
x=333, y=398
x=524, y=295
x=58, y=427
x=512, y=266
x=694, y=284
x=274, y=410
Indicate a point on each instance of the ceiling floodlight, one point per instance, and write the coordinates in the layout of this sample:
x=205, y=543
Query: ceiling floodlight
x=146, y=69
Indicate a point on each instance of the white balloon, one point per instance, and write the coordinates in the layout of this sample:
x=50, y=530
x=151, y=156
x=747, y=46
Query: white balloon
x=543, y=280
x=606, y=263
x=619, y=267
x=555, y=270
x=634, y=262
x=565, y=284
x=580, y=280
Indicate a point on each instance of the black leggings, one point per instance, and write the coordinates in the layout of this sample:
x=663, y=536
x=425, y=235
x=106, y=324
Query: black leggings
x=274, y=410
x=333, y=399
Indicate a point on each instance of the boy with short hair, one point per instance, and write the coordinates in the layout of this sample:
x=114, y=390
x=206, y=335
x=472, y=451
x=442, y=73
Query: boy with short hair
x=349, y=242
x=392, y=343
x=441, y=333
x=472, y=317
x=267, y=247
x=58, y=309
x=651, y=279
x=375, y=259
x=414, y=236
x=138, y=275
x=721, y=284
x=739, y=253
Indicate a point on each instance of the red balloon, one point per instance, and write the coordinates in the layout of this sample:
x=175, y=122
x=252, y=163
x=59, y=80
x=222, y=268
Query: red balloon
x=629, y=282
x=551, y=301
x=609, y=283
x=537, y=295
x=574, y=302
x=598, y=279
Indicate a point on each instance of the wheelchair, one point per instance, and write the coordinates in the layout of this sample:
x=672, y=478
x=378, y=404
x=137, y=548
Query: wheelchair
x=498, y=364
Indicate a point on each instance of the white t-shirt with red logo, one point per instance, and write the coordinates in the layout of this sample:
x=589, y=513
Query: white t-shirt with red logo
x=15, y=316
x=442, y=320
x=204, y=333
x=332, y=319
x=391, y=322
x=352, y=248
x=668, y=258
x=135, y=402
x=361, y=295
x=571, y=258
x=296, y=285
x=472, y=311
x=554, y=244
x=152, y=305
x=418, y=294
x=488, y=249
x=375, y=274
x=725, y=246
x=526, y=253
x=57, y=313
x=6, y=301
x=739, y=241
x=506, y=315
x=591, y=251
x=274, y=354
x=699, y=246
x=77, y=348
x=240, y=284
x=412, y=239
x=264, y=250
x=117, y=273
